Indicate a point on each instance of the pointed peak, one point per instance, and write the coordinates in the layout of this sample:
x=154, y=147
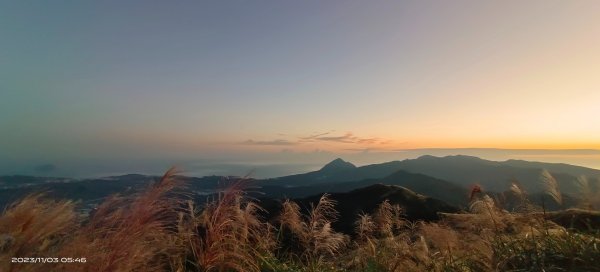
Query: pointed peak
x=337, y=165
x=338, y=160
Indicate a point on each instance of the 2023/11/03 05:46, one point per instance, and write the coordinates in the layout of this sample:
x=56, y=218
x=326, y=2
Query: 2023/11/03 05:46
x=47, y=260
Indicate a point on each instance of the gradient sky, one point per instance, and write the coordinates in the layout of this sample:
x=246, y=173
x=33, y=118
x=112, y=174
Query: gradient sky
x=117, y=80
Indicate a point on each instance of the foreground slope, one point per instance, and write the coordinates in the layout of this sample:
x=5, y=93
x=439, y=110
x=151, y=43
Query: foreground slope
x=418, y=183
x=365, y=200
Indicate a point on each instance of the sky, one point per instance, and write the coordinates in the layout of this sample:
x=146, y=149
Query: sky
x=138, y=84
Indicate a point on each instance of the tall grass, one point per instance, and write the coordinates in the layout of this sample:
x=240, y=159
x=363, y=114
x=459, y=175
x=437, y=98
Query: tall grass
x=34, y=227
x=131, y=233
x=589, y=192
x=159, y=229
x=377, y=247
x=124, y=234
x=551, y=186
x=228, y=234
x=313, y=232
x=388, y=219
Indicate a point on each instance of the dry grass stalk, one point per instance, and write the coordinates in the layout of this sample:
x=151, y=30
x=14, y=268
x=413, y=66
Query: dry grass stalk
x=384, y=219
x=524, y=205
x=388, y=219
x=515, y=187
x=124, y=234
x=127, y=234
x=551, y=186
x=442, y=238
x=378, y=242
x=489, y=216
x=34, y=227
x=595, y=196
x=314, y=232
x=365, y=227
x=586, y=192
x=482, y=205
x=227, y=233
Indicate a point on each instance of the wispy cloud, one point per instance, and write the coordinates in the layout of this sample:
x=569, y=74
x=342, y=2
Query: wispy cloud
x=314, y=137
x=368, y=149
x=277, y=142
x=368, y=140
x=348, y=138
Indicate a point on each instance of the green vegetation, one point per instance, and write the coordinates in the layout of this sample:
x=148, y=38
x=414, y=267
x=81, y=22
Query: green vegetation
x=158, y=230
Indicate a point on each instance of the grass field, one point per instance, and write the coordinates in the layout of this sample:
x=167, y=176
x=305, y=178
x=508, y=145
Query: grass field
x=159, y=230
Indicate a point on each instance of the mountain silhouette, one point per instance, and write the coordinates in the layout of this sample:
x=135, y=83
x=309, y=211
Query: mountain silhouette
x=418, y=183
x=367, y=199
x=351, y=204
x=461, y=170
x=445, y=178
x=337, y=165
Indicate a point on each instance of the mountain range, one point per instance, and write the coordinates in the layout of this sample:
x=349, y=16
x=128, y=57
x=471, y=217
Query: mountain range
x=445, y=178
x=460, y=170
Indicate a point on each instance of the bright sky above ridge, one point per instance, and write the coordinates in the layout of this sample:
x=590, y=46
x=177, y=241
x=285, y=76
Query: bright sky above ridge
x=103, y=79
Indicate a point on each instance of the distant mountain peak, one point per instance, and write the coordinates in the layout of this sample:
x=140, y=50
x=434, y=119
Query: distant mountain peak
x=337, y=165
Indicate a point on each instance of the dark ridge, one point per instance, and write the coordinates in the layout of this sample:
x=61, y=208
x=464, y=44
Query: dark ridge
x=366, y=200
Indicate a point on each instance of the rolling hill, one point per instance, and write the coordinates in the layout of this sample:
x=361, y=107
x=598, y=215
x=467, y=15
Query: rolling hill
x=460, y=170
x=418, y=183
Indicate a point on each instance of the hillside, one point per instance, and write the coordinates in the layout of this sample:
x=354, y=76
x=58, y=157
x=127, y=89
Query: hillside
x=365, y=200
x=460, y=170
x=92, y=191
x=418, y=183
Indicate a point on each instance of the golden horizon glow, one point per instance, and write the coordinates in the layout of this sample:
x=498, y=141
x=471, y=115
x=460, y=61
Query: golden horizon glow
x=184, y=80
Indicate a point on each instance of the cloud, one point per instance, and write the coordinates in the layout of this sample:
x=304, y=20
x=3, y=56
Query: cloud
x=323, y=137
x=312, y=138
x=277, y=142
x=371, y=150
x=347, y=138
x=368, y=140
